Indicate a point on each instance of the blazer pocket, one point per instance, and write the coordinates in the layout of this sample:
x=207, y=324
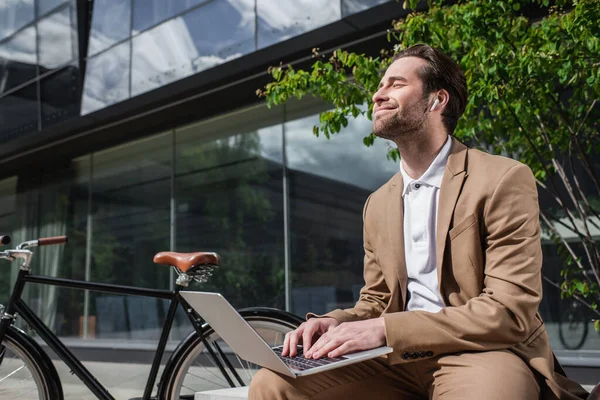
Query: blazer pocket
x=462, y=226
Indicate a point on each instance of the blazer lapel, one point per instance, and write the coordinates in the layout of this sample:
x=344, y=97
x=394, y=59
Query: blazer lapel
x=395, y=213
x=452, y=182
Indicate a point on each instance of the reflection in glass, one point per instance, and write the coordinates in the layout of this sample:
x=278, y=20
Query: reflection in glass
x=329, y=181
x=106, y=79
x=15, y=14
x=59, y=96
x=147, y=13
x=130, y=224
x=8, y=226
x=208, y=36
x=18, y=113
x=279, y=20
x=353, y=6
x=18, y=59
x=44, y=6
x=60, y=210
x=58, y=38
x=111, y=20
x=229, y=200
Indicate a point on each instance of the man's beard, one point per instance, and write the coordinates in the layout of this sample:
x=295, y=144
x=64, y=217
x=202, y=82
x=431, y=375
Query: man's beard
x=405, y=126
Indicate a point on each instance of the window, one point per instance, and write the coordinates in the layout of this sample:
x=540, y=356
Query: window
x=106, y=79
x=18, y=59
x=58, y=38
x=329, y=182
x=111, y=23
x=205, y=37
x=279, y=20
x=60, y=95
x=147, y=13
x=15, y=14
x=229, y=192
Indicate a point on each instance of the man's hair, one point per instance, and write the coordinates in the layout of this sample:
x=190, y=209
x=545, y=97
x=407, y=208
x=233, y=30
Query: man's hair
x=442, y=72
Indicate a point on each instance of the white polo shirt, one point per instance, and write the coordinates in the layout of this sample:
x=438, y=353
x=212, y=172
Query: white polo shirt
x=420, y=199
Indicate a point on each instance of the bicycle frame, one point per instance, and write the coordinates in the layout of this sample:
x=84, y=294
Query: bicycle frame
x=17, y=306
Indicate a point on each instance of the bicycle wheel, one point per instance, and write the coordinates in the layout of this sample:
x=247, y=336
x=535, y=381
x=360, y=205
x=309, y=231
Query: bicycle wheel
x=25, y=371
x=193, y=370
x=573, y=328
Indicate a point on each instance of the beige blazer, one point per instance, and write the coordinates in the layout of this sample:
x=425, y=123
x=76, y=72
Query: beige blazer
x=489, y=262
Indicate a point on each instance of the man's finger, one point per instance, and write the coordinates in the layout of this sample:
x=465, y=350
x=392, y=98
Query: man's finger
x=347, y=347
x=317, y=344
x=294, y=341
x=307, y=336
x=331, y=345
x=286, y=343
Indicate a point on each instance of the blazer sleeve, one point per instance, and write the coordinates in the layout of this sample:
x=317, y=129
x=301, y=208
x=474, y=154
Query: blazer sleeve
x=504, y=314
x=374, y=296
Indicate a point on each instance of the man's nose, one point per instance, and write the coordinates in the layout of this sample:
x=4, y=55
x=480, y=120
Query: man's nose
x=380, y=96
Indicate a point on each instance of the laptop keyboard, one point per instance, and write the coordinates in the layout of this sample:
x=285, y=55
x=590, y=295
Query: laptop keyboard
x=300, y=363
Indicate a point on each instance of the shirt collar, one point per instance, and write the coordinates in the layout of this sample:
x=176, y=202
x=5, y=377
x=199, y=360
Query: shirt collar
x=434, y=174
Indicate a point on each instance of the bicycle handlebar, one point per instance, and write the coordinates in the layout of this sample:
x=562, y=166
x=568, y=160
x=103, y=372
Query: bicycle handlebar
x=43, y=242
x=5, y=239
x=52, y=240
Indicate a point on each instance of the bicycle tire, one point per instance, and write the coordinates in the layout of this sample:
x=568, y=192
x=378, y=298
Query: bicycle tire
x=178, y=381
x=25, y=368
x=573, y=325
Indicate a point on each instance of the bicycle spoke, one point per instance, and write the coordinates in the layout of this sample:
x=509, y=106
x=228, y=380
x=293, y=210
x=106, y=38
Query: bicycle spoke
x=12, y=373
x=218, y=376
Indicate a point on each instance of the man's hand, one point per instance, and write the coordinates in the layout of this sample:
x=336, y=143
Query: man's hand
x=305, y=333
x=349, y=337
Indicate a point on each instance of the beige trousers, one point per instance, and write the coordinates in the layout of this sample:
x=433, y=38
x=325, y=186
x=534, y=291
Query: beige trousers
x=491, y=375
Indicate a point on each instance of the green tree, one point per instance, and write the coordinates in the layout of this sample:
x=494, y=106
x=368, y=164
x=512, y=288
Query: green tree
x=534, y=84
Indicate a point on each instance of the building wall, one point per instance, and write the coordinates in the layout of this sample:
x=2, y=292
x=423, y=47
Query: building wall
x=52, y=69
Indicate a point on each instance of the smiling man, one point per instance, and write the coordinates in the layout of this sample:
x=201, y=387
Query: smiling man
x=452, y=266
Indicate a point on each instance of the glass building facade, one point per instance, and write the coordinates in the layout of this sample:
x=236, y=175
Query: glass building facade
x=281, y=207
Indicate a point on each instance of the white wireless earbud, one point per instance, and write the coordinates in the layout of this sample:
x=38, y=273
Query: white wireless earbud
x=435, y=103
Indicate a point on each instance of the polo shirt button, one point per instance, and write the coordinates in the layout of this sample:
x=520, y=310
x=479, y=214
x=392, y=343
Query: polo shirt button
x=429, y=354
x=417, y=185
x=405, y=355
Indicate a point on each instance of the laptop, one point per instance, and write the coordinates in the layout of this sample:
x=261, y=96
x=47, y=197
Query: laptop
x=248, y=344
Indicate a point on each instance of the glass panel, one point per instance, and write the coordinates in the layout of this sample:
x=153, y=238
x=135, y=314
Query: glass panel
x=130, y=224
x=279, y=20
x=44, y=6
x=18, y=59
x=208, y=36
x=8, y=225
x=52, y=204
x=329, y=181
x=15, y=14
x=229, y=200
x=147, y=13
x=569, y=323
x=59, y=95
x=353, y=6
x=110, y=24
x=19, y=113
x=106, y=79
x=58, y=38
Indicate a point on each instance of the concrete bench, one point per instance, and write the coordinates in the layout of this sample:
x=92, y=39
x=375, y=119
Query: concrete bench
x=223, y=394
x=238, y=393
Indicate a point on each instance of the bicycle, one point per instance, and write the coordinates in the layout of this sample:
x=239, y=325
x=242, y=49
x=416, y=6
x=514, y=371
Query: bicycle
x=200, y=358
x=573, y=325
